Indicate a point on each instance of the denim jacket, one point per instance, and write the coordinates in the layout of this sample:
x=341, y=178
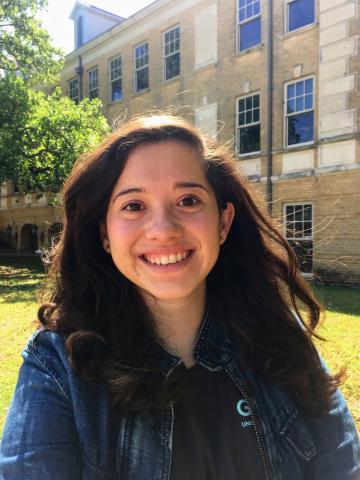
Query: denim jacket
x=61, y=428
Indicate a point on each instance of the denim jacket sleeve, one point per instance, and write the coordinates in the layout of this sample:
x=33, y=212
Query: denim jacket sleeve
x=337, y=444
x=40, y=440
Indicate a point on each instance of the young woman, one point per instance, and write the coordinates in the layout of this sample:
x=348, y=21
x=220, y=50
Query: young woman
x=178, y=340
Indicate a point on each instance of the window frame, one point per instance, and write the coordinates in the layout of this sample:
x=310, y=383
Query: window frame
x=243, y=22
x=172, y=53
x=303, y=238
x=115, y=79
x=287, y=17
x=237, y=126
x=95, y=68
x=77, y=98
x=286, y=115
x=136, y=70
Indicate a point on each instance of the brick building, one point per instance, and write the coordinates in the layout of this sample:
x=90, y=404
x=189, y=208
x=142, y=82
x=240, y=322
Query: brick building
x=275, y=78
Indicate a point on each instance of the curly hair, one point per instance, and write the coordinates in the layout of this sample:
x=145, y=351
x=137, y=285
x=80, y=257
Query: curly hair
x=110, y=334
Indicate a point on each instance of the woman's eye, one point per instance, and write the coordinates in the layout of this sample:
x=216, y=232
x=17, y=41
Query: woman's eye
x=133, y=207
x=188, y=202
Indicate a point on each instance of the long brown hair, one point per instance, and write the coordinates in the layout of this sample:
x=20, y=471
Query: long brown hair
x=110, y=335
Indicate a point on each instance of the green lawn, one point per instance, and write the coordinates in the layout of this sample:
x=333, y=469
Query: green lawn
x=20, y=282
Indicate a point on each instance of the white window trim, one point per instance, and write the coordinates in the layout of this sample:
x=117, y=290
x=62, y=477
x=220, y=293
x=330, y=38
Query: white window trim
x=88, y=80
x=112, y=80
x=237, y=136
x=296, y=80
x=165, y=56
x=238, y=26
x=69, y=89
x=286, y=17
x=141, y=68
x=290, y=204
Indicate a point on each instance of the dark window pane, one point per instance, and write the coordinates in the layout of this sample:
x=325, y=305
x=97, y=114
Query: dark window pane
x=248, y=116
x=250, y=34
x=172, y=66
x=116, y=90
x=301, y=13
x=307, y=212
x=142, y=79
x=256, y=8
x=309, y=101
x=93, y=94
x=301, y=128
x=250, y=139
x=299, y=89
x=242, y=3
x=290, y=213
x=307, y=229
x=304, y=253
x=241, y=14
x=249, y=11
x=248, y=103
x=256, y=101
x=241, y=118
x=298, y=213
x=291, y=106
x=309, y=85
x=291, y=90
x=299, y=104
x=256, y=114
x=241, y=105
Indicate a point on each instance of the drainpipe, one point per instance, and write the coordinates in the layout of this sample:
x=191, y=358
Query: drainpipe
x=269, y=192
x=79, y=72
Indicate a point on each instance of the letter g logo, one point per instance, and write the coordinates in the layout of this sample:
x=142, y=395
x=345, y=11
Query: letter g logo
x=243, y=408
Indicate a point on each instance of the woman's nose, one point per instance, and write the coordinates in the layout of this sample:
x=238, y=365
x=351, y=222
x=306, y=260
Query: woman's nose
x=163, y=225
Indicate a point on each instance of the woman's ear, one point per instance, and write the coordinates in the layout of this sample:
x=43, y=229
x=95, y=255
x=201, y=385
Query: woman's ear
x=104, y=237
x=226, y=219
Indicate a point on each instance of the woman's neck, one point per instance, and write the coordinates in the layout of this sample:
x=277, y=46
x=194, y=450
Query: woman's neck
x=178, y=322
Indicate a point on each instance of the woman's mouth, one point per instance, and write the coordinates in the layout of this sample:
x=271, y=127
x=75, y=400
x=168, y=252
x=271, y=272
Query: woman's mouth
x=167, y=259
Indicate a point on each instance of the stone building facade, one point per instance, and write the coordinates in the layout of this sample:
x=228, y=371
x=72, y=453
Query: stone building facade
x=277, y=79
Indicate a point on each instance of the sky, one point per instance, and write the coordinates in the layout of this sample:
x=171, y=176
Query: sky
x=56, y=17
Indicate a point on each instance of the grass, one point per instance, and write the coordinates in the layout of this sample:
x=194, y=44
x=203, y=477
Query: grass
x=20, y=281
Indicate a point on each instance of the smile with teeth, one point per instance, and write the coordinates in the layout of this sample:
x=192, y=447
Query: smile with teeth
x=166, y=259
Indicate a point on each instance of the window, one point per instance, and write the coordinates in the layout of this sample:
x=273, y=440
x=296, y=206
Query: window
x=141, y=67
x=248, y=124
x=249, y=24
x=74, y=89
x=299, y=112
x=299, y=233
x=93, y=83
x=116, y=92
x=172, y=53
x=299, y=13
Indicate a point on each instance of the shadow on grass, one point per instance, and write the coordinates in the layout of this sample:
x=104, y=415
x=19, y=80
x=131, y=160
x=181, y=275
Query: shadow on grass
x=339, y=299
x=21, y=279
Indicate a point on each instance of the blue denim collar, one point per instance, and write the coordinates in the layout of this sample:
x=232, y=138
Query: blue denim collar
x=213, y=350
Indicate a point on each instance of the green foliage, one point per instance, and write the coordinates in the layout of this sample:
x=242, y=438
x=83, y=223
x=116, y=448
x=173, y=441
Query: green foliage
x=25, y=47
x=41, y=136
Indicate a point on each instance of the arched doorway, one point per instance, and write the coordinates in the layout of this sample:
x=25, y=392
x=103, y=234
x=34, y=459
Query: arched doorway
x=54, y=232
x=28, y=238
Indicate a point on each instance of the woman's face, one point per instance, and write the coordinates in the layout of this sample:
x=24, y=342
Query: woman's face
x=163, y=227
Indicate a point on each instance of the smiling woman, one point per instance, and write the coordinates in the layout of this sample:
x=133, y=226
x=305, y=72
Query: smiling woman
x=170, y=337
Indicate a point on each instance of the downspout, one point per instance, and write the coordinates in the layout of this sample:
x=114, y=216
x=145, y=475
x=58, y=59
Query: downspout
x=269, y=192
x=79, y=72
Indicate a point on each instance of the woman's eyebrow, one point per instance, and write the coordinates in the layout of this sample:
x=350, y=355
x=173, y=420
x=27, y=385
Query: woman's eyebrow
x=190, y=185
x=129, y=190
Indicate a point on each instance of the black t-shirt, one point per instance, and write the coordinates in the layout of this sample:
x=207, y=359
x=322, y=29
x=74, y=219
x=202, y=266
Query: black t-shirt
x=213, y=436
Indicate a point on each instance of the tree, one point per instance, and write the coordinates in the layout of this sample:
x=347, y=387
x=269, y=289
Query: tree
x=25, y=47
x=41, y=136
